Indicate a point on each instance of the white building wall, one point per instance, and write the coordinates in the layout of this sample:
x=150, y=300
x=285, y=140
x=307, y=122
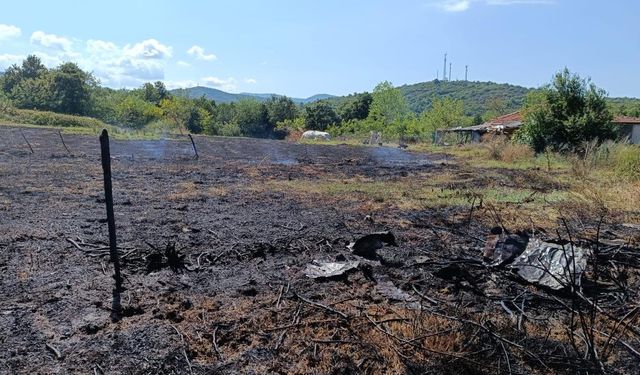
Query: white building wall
x=635, y=135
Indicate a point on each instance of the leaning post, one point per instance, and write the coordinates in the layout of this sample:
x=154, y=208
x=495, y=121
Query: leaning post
x=108, y=197
x=64, y=144
x=195, y=150
x=25, y=139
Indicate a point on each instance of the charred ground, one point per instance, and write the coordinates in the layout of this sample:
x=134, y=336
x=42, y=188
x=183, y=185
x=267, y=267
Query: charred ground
x=214, y=249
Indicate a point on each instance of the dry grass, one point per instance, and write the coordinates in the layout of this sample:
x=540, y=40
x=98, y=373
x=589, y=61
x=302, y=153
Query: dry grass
x=190, y=191
x=512, y=152
x=313, y=341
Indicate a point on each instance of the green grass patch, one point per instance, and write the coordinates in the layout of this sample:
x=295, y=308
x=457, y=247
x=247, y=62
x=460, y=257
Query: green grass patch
x=27, y=116
x=415, y=194
x=626, y=161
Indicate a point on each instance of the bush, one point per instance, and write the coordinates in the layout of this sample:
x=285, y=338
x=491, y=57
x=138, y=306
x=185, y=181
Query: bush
x=626, y=161
x=515, y=152
x=27, y=116
x=230, y=129
x=6, y=106
x=135, y=112
x=501, y=148
x=494, y=145
x=565, y=114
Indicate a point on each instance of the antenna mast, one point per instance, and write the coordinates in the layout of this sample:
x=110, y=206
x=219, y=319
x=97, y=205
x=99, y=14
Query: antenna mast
x=449, y=71
x=466, y=70
x=444, y=74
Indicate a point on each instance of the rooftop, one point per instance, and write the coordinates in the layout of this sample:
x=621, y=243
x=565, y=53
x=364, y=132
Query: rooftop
x=626, y=120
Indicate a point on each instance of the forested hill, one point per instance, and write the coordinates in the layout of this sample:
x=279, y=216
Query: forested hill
x=224, y=97
x=478, y=97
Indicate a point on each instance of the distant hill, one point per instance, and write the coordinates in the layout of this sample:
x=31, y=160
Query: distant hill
x=224, y=97
x=475, y=95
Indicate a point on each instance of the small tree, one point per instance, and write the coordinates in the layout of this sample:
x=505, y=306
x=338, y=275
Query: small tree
x=320, y=115
x=251, y=118
x=566, y=114
x=71, y=87
x=357, y=108
x=279, y=109
x=388, y=104
x=177, y=110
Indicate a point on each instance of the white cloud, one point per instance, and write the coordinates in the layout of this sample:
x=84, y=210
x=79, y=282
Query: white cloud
x=128, y=66
x=198, y=53
x=49, y=60
x=7, y=60
x=9, y=32
x=250, y=81
x=518, y=2
x=183, y=64
x=180, y=84
x=228, y=84
x=101, y=47
x=463, y=5
x=454, y=5
x=52, y=41
x=148, y=49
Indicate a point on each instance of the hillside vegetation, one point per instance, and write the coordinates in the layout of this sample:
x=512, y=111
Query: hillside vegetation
x=477, y=97
x=220, y=96
x=410, y=112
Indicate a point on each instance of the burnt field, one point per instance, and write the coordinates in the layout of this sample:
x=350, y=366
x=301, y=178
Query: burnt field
x=215, y=254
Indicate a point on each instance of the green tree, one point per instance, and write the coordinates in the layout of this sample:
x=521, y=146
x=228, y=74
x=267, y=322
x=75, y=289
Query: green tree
x=150, y=94
x=320, y=115
x=178, y=111
x=6, y=105
x=154, y=92
x=33, y=94
x=356, y=108
x=388, y=104
x=199, y=120
x=251, y=118
x=161, y=90
x=566, y=113
x=279, y=109
x=32, y=67
x=71, y=87
x=225, y=113
x=134, y=112
x=444, y=113
x=10, y=79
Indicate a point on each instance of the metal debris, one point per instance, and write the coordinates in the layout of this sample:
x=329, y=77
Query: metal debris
x=366, y=246
x=387, y=289
x=501, y=248
x=551, y=265
x=329, y=269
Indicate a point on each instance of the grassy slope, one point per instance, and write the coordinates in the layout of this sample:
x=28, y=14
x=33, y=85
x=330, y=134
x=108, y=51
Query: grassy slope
x=69, y=124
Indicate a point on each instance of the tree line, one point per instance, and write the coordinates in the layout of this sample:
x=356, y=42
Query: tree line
x=69, y=90
x=567, y=111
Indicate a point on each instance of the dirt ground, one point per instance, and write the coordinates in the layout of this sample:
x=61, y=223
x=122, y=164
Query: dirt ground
x=235, y=298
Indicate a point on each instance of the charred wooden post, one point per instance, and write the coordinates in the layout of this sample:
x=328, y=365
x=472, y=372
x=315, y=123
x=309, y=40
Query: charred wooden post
x=194, y=146
x=64, y=144
x=25, y=139
x=108, y=197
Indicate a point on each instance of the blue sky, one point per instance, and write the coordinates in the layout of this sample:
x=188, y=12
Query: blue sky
x=300, y=48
